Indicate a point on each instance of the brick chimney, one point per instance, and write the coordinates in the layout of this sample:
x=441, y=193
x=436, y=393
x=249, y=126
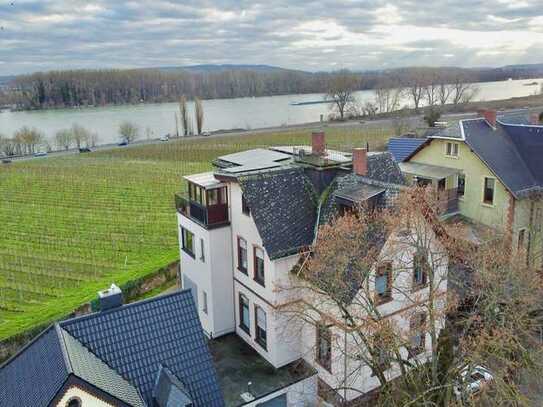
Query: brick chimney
x=489, y=115
x=534, y=119
x=360, y=161
x=318, y=143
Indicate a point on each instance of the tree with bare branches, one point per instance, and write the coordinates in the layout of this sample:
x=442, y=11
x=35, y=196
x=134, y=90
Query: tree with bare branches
x=340, y=92
x=199, y=111
x=183, y=115
x=375, y=310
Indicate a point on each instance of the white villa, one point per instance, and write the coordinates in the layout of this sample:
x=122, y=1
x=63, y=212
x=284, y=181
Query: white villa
x=242, y=229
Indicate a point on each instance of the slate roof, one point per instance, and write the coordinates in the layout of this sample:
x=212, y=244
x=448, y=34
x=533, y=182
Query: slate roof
x=136, y=339
x=512, y=152
x=383, y=168
x=33, y=377
x=402, y=147
x=283, y=206
x=118, y=351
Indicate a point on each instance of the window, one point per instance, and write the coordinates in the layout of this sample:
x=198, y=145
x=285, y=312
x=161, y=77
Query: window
x=452, y=149
x=197, y=194
x=521, y=239
x=420, y=271
x=242, y=255
x=324, y=346
x=213, y=197
x=202, y=250
x=417, y=337
x=74, y=402
x=488, y=193
x=187, y=238
x=260, y=317
x=244, y=318
x=461, y=184
x=244, y=207
x=259, y=265
x=204, y=302
x=383, y=282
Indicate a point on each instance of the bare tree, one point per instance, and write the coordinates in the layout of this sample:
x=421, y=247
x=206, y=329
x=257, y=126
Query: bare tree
x=64, y=139
x=29, y=139
x=431, y=89
x=337, y=299
x=199, y=111
x=462, y=90
x=415, y=86
x=80, y=135
x=340, y=92
x=183, y=115
x=387, y=95
x=129, y=131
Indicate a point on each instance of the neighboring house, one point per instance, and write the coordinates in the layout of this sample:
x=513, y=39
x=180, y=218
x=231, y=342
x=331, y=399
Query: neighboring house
x=149, y=353
x=242, y=228
x=489, y=170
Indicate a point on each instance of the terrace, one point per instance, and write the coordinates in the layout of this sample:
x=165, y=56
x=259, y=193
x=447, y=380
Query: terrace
x=205, y=201
x=441, y=179
x=237, y=364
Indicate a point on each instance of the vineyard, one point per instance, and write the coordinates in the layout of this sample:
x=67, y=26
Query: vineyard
x=73, y=225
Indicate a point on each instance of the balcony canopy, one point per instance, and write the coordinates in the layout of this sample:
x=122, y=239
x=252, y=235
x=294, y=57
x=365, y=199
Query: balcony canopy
x=205, y=180
x=428, y=171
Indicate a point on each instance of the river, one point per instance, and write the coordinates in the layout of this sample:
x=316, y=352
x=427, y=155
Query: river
x=155, y=120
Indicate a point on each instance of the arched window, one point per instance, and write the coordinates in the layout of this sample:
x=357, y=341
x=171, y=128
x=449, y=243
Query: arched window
x=74, y=402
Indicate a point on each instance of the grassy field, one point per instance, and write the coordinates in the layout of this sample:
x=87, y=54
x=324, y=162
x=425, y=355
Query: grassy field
x=73, y=225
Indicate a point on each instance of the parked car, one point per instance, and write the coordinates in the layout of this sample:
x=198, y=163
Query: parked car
x=84, y=150
x=6, y=161
x=165, y=137
x=206, y=133
x=40, y=154
x=472, y=381
x=123, y=143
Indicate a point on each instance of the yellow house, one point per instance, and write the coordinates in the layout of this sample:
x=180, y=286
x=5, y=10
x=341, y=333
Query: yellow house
x=492, y=173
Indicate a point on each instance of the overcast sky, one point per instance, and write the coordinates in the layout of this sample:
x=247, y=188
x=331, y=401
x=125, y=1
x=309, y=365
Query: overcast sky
x=313, y=35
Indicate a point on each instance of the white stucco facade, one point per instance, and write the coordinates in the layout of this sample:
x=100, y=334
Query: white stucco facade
x=210, y=271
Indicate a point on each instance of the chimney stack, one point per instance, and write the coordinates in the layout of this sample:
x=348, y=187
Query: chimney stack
x=318, y=144
x=111, y=297
x=534, y=119
x=489, y=115
x=360, y=161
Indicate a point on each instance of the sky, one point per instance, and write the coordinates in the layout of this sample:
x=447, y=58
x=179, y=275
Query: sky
x=316, y=35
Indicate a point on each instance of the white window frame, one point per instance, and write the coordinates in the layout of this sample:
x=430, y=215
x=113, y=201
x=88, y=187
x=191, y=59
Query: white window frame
x=454, y=149
x=202, y=251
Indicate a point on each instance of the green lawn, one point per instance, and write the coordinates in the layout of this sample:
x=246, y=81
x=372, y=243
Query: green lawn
x=71, y=226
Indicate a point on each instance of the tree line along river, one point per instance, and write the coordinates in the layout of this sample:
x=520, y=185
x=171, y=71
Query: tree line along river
x=155, y=120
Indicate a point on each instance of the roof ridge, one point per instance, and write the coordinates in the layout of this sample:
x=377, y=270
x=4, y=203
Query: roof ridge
x=64, y=347
x=123, y=307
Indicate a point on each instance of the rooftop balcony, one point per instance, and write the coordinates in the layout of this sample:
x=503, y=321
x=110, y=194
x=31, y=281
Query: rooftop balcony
x=209, y=216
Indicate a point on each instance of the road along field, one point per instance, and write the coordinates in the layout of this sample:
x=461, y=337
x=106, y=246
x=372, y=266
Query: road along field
x=70, y=226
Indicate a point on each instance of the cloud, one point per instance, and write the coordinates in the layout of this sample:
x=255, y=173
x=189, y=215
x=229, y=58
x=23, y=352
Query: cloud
x=314, y=35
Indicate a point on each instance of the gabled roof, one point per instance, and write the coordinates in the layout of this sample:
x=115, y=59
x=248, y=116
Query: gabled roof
x=119, y=352
x=136, y=339
x=511, y=151
x=283, y=206
x=36, y=375
x=401, y=148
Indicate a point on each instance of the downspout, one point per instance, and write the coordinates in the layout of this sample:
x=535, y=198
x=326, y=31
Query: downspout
x=345, y=367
